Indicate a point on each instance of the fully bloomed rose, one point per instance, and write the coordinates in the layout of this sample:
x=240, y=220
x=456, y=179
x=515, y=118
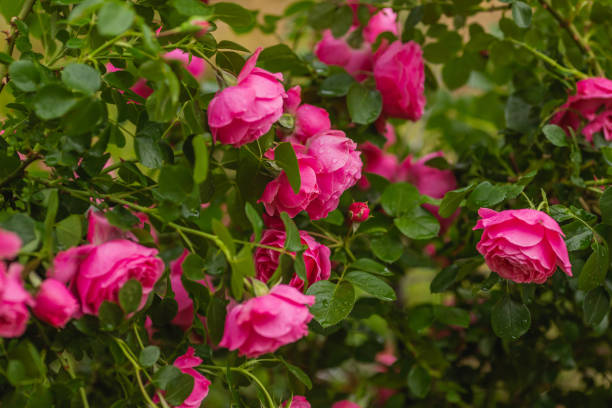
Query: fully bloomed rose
x=264, y=323
x=242, y=113
x=592, y=105
x=383, y=21
x=316, y=258
x=98, y=272
x=309, y=119
x=336, y=51
x=201, y=384
x=298, y=401
x=524, y=246
x=399, y=73
x=54, y=303
x=14, y=302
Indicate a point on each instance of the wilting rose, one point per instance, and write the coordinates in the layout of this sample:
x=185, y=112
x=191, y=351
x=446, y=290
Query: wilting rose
x=399, y=73
x=10, y=244
x=383, y=21
x=524, y=246
x=187, y=363
x=54, y=303
x=336, y=51
x=379, y=162
x=591, y=105
x=358, y=212
x=99, y=272
x=297, y=401
x=264, y=323
x=242, y=113
x=316, y=258
x=14, y=302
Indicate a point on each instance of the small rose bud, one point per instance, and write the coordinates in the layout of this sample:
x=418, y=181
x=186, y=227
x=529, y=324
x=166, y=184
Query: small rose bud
x=359, y=212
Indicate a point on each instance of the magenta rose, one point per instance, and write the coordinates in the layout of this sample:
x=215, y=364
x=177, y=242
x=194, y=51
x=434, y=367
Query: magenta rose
x=14, y=302
x=345, y=404
x=523, y=246
x=140, y=87
x=316, y=258
x=429, y=181
x=309, y=119
x=378, y=162
x=298, y=401
x=54, y=303
x=358, y=212
x=383, y=21
x=194, y=65
x=264, y=323
x=242, y=113
x=98, y=272
x=399, y=73
x=201, y=384
x=336, y=51
x=591, y=105
x=10, y=244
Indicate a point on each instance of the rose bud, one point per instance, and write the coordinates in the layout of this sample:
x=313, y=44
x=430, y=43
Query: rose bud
x=359, y=212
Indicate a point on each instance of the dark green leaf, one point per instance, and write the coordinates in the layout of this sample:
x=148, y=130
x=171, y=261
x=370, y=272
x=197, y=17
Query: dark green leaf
x=24, y=75
x=193, y=267
x=175, y=182
x=81, y=77
x=293, y=242
x=110, y=315
x=165, y=375
x=372, y=285
x=370, y=265
x=400, y=198
x=419, y=381
x=149, y=356
x=452, y=200
x=364, y=104
x=418, y=224
x=224, y=235
x=285, y=158
x=234, y=15
x=343, y=19
x=444, y=279
x=594, y=271
x=114, y=19
x=53, y=101
x=486, y=195
x=596, y=305
x=148, y=152
x=69, y=231
x=387, y=248
x=254, y=219
x=333, y=302
x=509, y=319
x=200, y=167
x=130, y=296
x=336, y=85
x=453, y=316
x=605, y=205
x=298, y=373
x=190, y=8
x=555, y=135
x=521, y=13
x=179, y=389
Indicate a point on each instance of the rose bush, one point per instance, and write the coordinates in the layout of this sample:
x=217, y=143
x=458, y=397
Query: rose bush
x=320, y=203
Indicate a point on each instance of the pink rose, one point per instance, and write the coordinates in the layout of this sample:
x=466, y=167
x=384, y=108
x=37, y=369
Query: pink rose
x=242, y=113
x=184, y=316
x=264, y=323
x=429, y=181
x=592, y=104
x=100, y=271
x=100, y=230
x=339, y=168
x=399, y=73
x=358, y=212
x=140, y=88
x=383, y=21
x=345, y=404
x=54, y=303
x=309, y=119
x=14, y=302
x=194, y=65
x=524, y=246
x=316, y=258
x=336, y=51
x=378, y=162
x=10, y=244
x=186, y=364
x=298, y=401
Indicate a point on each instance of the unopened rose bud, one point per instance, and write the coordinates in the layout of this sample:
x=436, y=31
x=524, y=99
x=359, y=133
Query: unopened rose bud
x=359, y=212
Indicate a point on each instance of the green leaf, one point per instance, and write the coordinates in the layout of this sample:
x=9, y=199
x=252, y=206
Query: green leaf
x=605, y=206
x=444, y=279
x=215, y=318
x=237, y=17
x=149, y=356
x=53, y=101
x=130, y=296
x=420, y=317
x=114, y=19
x=336, y=85
x=175, y=182
x=578, y=236
x=322, y=15
x=285, y=158
x=387, y=248
x=254, y=219
x=82, y=78
x=343, y=19
x=15, y=372
x=293, y=242
x=224, y=235
x=452, y=200
x=191, y=8
x=486, y=195
x=509, y=319
x=179, y=389
x=418, y=224
x=596, y=305
x=555, y=135
x=242, y=266
x=298, y=373
x=400, y=198
x=521, y=13
x=148, y=152
x=280, y=58
x=607, y=154
x=200, y=167
x=69, y=231
x=300, y=268
x=453, y=316
x=419, y=381
x=110, y=315
x=24, y=75
x=370, y=265
x=193, y=267
x=593, y=273
x=333, y=302
x=165, y=375
x=364, y=104
x=372, y=285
